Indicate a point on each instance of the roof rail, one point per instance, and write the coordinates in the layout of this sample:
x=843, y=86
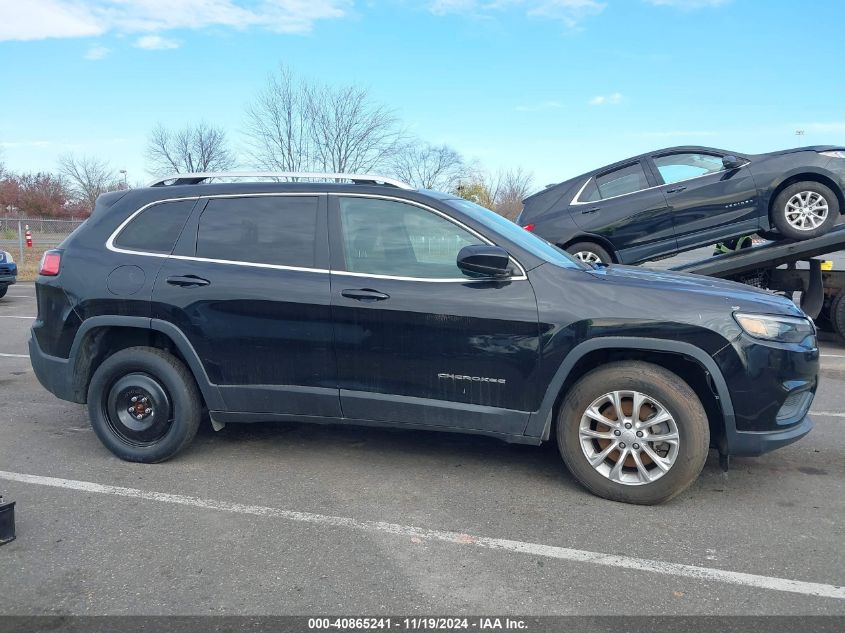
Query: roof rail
x=196, y=178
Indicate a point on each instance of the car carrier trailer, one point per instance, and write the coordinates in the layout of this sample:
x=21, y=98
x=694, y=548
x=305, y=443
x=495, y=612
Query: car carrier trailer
x=773, y=266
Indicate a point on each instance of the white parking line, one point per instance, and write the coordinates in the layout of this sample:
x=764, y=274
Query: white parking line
x=15, y=355
x=832, y=414
x=11, y=316
x=832, y=355
x=535, y=549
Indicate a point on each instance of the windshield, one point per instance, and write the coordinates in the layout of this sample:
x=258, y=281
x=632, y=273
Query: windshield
x=516, y=234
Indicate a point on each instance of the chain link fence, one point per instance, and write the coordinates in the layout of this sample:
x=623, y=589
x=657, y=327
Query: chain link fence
x=46, y=234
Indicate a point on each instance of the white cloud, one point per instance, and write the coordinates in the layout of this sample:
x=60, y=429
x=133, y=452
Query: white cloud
x=611, y=99
x=688, y=4
x=155, y=43
x=96, y=52
x=537, y=107
x=41, y=19
x=570, y=12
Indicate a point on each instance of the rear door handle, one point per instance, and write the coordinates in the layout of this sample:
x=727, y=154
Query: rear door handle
x=365, y=294
x=676, y=189
x=592, y=210
x=187, y=281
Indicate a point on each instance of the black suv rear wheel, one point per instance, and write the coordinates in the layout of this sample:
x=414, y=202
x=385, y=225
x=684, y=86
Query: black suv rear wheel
x=589, y=253
x=633, y=432
x=144, y=405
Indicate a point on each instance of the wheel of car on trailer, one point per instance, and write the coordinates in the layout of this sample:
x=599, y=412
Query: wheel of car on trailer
x=805, y=210
x=633, y=432
x=589, y=253
x=836, y=314
x=144, y=405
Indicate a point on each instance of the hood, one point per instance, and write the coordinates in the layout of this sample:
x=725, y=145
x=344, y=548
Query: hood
x=709, y=290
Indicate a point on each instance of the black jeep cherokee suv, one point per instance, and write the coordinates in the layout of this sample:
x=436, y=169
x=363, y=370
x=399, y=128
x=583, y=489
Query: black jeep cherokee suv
x=367, y=302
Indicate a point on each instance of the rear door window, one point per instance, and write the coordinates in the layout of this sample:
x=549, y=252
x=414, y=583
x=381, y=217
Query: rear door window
x=156, y=228
x=277, y=230
x=622, y=181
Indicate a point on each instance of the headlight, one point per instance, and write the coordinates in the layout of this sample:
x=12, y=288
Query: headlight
x=770, y=327
x=8, y=257
x=836, y=153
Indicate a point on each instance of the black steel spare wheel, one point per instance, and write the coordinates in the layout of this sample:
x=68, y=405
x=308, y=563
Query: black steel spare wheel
x=138, y=409
x=144, y=404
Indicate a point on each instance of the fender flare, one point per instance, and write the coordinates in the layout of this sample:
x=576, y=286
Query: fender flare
x=540, y=421
x=801, y=171
x=209, y=390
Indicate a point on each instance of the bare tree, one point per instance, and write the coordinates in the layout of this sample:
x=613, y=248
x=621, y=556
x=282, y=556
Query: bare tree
x=294, y=125
x=350, y=132
x=513, y=187
x=88, y=177
x=193, y=148
x=502, y=192
x=429, y=166
x=278, y=127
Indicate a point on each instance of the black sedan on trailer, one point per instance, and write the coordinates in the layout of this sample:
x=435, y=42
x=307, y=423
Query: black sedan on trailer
x=676, y=199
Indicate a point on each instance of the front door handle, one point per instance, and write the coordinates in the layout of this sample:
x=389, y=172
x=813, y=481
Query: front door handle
x=365, y=294
x=676, y=189
x=187, y=281
x=592, y=210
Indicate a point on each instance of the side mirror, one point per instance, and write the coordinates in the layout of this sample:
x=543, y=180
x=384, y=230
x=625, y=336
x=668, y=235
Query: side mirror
x=482, y=260
x=732, y=162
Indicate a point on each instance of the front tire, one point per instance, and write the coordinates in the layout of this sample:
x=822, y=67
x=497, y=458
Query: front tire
x=3, y=291
x=805, y=210
x=144, y=405
x=633, y=432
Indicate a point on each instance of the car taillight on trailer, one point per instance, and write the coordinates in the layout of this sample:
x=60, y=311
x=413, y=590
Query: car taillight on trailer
x=528, y=227
x=51, y=262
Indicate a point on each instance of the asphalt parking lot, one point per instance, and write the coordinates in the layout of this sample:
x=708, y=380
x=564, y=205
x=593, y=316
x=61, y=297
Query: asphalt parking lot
x=298, y=519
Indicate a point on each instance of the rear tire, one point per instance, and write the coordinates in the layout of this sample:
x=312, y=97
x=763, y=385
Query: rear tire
x=144, y=405
x=589, y=253
x=666, y=401
x=836, y=314
x=805, y=210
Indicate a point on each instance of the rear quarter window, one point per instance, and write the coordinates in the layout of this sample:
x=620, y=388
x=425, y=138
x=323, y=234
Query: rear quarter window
x=156, y=228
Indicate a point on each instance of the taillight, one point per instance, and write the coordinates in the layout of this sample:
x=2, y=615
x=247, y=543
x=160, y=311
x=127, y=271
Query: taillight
x=51, y=262
x=529, y=227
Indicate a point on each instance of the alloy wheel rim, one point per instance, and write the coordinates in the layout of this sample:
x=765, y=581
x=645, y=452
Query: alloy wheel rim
x=806, y=210
x=588, y=257
x=629, y=437
x=138, y=409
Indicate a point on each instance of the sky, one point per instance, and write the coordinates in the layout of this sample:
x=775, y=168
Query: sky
x=557, y=87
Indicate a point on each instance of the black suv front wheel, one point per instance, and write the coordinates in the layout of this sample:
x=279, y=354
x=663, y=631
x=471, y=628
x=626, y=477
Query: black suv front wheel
x=633, y=432
x=805, y=210
x=144, y=405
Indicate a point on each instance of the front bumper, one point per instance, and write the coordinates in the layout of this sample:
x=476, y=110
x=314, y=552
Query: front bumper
x=7, y=280
x=751, y=443
x=771, y=387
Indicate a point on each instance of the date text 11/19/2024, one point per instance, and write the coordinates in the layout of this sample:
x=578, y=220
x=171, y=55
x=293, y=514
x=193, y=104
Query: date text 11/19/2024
x=419, y=623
